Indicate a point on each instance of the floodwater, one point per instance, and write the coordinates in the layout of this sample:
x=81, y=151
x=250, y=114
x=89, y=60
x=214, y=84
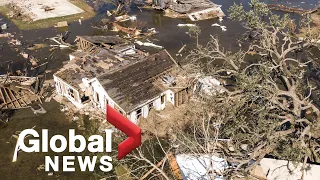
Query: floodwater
x=170, y=36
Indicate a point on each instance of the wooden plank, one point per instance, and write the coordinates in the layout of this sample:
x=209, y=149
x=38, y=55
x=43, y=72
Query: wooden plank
x=176, y=99
x=184, y=96
x=175, y=167
x=36, y=88
x=14, y=101
x=4, y=99
x=43, y=64
x=9, y=99
x=20, y=98
x=17, y=103
x=180, y=98
x=154, y=168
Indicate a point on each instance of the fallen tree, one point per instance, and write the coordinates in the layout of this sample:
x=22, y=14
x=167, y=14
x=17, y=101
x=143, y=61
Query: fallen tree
x=269, y=109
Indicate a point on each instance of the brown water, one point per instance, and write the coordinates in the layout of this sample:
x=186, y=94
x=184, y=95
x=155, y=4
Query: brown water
x=170, y=36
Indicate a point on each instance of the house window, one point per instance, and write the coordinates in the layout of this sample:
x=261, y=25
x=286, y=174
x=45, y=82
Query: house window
x=85, y=99
x=97, y=98
x=121, y=112
x=71, y=92
x=139, y=113
x=58, y=87
x=106, y=102
x=163, y=99
x=150, y=106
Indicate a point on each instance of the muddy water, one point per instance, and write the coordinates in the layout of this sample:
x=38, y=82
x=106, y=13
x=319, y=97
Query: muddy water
x=170, y=36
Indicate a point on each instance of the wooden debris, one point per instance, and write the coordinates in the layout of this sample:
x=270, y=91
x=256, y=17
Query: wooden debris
x=13, y=100
x=131, y=31
x=283, y=8
x=37, y=46
x=174, y=166
x=6, y=35
x=62, y=24
x=18, y=92
x=47, y=8
x=125, y=18
x=151, y=170
x=148, y=44
x=183, y=47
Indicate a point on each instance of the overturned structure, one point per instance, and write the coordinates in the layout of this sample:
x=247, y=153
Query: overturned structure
x=195, y=10
x=18, y=92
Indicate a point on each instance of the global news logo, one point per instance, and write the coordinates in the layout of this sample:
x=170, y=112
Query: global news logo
x=77, y=144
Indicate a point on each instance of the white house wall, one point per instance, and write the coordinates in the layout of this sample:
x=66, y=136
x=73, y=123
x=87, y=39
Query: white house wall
x=104, y=98
x=62, y=90
x=157, y=105
x=170, y=96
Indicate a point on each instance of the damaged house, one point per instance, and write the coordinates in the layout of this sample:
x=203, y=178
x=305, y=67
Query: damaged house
x=195, y=10
x=121, y=76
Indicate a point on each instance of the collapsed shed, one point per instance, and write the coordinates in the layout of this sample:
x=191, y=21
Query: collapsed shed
x=18, y=92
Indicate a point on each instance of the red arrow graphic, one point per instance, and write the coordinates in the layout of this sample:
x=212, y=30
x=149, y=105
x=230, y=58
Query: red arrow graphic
x=130, y=129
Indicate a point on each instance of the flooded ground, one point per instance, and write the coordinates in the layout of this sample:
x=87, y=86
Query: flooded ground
x=170, y=36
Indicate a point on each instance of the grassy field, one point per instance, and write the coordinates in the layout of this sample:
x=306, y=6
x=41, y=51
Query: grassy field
x=89, y=13
x=122, y=173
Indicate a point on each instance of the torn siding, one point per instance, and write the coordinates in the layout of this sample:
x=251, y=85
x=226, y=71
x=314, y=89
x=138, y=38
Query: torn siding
x=68, y=91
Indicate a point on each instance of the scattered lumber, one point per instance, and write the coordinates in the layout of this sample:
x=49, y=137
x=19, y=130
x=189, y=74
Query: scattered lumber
x=283, y=8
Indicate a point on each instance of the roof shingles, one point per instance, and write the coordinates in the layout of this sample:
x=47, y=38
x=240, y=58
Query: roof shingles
x=133, y=85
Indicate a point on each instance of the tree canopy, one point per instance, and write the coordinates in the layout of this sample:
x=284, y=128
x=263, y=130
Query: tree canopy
x=269, y=107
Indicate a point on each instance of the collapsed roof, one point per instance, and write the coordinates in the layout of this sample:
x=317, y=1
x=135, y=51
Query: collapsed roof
x=185, y=6
x=133, y=85
x=93, y=64
x=188, y=6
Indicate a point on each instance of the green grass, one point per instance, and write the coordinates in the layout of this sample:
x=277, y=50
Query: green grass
x=123, y=173
x=45, y=23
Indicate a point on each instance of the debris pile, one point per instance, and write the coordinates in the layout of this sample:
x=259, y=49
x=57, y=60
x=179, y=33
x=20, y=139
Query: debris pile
x=279, y=7
x=195, y=10
x=149, y=44
x=223, y=28
x=17, y=92
x=3, y=34
x=133, y=32
x=18, y=13
x=125, y=18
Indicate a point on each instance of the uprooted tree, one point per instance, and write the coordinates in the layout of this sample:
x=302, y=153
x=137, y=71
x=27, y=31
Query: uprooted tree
x=270, y=108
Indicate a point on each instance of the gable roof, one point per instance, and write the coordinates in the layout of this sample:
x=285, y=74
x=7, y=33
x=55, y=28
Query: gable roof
x=93, y=64
x=133, y=85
